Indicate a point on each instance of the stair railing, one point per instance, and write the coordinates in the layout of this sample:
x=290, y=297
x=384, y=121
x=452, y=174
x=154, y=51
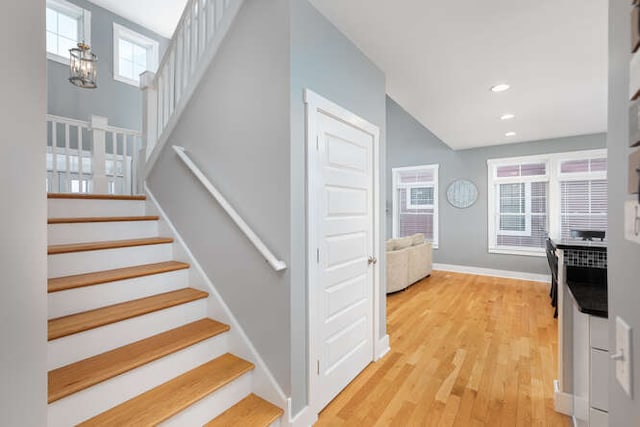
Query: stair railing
x=276, y=264
x=92, y=157
x=199, y=34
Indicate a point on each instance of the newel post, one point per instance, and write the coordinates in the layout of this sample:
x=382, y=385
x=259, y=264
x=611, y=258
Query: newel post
x=99, y=126
x=149, y=112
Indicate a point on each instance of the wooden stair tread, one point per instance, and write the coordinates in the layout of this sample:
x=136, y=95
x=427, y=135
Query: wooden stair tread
x=109, y=244
x=94, y=196
x=89, y=279
x=252, y=411
x=79, y=322
x=158, y=404
x=101, y=219
x=78, y=376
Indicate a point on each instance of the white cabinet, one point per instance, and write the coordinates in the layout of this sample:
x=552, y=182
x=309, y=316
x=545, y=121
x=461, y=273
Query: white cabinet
x=590, y=369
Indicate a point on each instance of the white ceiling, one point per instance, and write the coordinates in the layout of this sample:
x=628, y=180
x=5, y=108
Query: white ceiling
x=160, y=16
x=441, y=56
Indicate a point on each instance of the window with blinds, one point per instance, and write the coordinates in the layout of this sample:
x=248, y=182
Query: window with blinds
x=415, y=202
x=583, y=195
x=520, y=215
x=533, y=197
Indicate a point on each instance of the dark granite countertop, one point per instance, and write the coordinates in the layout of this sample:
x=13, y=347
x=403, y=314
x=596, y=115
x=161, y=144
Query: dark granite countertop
x=595, y=245
x=591, y=298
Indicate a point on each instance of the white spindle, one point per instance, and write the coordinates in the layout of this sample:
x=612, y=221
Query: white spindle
x=80, y=159
x=123, y=166
x=202, y=35
x=172, y=83
x=211, y=16
x=178, y=67
x=134, y=163
x=67, y=158
x=194, y=33
x=55, y=184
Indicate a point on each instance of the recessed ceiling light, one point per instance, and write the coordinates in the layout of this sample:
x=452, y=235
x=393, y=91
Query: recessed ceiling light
x=507, y=116
x=500, y=87
x=510, y=134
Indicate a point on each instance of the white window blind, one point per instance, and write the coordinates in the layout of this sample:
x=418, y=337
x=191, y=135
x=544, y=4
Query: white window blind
x=583, y=195
x=415, y=196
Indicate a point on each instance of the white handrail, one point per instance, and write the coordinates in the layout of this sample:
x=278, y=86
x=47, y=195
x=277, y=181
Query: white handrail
x=277, y=264
x=199, y=34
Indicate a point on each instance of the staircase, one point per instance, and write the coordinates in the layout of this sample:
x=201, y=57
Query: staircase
x=129, y=341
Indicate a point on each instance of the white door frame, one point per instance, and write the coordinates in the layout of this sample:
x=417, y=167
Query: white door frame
x=314, y=104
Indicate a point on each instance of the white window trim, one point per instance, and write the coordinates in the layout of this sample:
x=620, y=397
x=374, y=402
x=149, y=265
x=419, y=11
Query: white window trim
x=152, y=51
x=395, y=202
x=553, y=176
x=83, y=15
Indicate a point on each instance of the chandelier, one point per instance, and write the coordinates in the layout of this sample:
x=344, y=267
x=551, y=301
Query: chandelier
x=82, y=67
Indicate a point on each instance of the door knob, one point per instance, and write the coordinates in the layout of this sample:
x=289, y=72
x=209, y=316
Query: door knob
x=372, y=260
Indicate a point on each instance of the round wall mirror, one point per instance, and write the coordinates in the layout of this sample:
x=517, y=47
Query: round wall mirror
x=462, y=193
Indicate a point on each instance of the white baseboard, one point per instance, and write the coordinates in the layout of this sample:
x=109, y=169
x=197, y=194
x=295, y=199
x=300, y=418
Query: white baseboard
x=305, y=418
x=545, y=278
x=382, y=347
x=264, y=384
x=563, y=402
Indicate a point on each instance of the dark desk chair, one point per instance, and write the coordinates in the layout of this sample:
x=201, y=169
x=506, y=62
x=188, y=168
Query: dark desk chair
x=552, y=259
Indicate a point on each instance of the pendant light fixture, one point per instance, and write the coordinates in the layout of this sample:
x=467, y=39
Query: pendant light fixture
x=83, y=63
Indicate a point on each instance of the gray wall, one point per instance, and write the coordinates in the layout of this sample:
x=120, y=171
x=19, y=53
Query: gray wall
x=121, y=103
x=23, y=309
x=623, y=268
x=325, y=61
x=463, y=238
x=236, y=128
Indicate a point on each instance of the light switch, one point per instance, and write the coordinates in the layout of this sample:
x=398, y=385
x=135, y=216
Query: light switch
x=632, y=220
x=622, y=354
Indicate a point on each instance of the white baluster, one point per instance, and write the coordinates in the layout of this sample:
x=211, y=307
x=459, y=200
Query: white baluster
x=202, y=34
x=55, y=184
x=98, y=128
x=67, y=160
x=80, y=157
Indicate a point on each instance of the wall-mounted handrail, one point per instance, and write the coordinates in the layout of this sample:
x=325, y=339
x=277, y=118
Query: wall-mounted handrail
x=278, y=265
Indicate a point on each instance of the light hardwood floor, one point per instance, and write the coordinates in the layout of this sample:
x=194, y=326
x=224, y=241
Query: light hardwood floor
x=465, y=351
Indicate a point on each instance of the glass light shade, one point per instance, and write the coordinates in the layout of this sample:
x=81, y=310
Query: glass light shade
x=83, y=67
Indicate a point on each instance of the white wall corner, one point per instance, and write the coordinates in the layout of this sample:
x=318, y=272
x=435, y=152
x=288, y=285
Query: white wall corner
x=508, y=274
x=382, y=347
x=264, y=383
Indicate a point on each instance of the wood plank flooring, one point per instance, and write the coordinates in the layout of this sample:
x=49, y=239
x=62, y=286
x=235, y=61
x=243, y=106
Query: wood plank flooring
x=465, y=351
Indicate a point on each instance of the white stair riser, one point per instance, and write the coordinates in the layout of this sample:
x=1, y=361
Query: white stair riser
x=90, y=402
x=99, y=231
x=75, y=208
x=87, y=298
x=72, y=348
x=107, y=259
x=213, y=405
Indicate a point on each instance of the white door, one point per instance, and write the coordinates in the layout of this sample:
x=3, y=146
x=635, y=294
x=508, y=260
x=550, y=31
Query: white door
x=341, y=195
